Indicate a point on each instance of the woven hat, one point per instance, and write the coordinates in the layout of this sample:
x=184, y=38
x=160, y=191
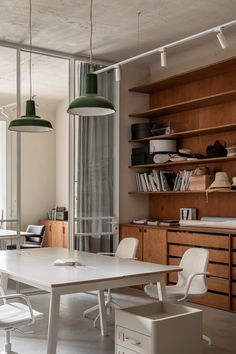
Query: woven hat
x=234, y=183
x=231, y=150
x=221, y=181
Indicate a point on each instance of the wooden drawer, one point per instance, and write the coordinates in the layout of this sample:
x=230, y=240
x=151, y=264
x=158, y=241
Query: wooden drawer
x=234, y=243
x=234, y=258
x=215, y=300
x=132, y=340
x=197, y=239
x=214, y=284
x=234, y=273
x=217, y=270
x=234, y=303
x=234, y=288
x=121, y=350
x=219, y=256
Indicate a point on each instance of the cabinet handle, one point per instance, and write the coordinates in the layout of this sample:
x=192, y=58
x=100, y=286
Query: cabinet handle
x=132, y=341
x=145, y=230
x=140, y=230
x=63, y=229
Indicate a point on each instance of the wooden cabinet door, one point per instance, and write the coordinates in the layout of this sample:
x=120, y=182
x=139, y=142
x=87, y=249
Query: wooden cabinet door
x=65, y=234
x=57, y=234
x=154, y=245
x=133, y=231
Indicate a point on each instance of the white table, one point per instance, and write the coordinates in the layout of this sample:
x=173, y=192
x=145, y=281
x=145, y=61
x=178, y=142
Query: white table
x=12, y=235
x=35, y=267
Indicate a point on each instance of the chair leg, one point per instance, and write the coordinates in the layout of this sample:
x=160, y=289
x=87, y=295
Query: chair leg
x=7, y=346
x=207, y=339
x=91, y=309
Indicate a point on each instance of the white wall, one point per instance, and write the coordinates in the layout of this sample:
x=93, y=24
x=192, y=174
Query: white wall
x=131, y=206
x=38, y=166
x=62, y=154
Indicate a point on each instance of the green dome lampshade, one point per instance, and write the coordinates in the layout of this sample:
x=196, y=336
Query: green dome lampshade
x=91, y=104
x=30, y=123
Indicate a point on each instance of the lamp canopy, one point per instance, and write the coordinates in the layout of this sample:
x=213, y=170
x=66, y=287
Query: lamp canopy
x=30, y=123
x=91, y=104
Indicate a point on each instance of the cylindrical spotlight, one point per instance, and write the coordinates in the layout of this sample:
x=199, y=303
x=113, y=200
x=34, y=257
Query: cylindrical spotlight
x=222, y=40
x=163, y=58
x=117, y=73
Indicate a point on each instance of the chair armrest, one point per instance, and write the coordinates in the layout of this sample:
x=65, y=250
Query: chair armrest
x=189, y=281
x=25, y=299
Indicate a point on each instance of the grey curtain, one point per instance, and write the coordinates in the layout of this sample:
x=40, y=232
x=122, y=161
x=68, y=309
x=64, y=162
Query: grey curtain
x=95, y=166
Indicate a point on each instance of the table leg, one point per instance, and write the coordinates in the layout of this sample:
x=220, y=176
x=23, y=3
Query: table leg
x=102, y=312
x=3, y=283
x=161, y=288
x=53, y=323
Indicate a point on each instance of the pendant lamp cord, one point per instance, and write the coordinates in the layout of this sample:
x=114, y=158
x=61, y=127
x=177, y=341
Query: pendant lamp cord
x=30, y=34
x=91, y=37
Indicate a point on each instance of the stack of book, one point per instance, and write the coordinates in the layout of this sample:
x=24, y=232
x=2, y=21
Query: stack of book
x=162, y=181
x=155, y=181
x=182, y=180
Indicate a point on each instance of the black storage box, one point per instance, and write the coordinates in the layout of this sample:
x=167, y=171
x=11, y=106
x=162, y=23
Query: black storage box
x=141, y=155
x=140, y=130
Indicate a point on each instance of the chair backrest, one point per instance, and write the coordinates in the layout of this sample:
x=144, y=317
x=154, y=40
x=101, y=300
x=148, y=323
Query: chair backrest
x=127, y=248
x=194, y=260
x=37, y=231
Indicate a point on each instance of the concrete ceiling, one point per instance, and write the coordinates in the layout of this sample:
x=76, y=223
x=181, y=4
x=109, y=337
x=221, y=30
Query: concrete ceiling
x=64, y=25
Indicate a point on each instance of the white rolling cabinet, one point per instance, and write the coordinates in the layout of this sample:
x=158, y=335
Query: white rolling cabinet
x=159, y=328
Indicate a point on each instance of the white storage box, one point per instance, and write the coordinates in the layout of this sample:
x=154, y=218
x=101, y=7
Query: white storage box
x=159, y=328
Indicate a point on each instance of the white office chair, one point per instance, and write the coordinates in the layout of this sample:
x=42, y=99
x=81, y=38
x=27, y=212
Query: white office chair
x=191, y=280
x=127, y=248
x=14, y=315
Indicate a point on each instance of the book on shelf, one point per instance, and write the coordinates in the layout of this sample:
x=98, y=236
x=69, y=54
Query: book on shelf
x=163, y=181
x=169, y=223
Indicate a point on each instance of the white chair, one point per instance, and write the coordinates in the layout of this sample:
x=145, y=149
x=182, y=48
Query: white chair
x=127, y=248
x=14, y=315
x=191, y=280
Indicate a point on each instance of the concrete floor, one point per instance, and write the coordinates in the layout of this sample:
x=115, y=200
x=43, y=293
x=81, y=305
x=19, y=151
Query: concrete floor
x=77, y=335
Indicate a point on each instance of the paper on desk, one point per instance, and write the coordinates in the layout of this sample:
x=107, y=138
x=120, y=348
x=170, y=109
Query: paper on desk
x=66, y=262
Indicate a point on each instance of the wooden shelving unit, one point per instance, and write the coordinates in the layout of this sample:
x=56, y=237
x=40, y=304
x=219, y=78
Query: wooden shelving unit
x=189, y=133
x=186, y=162
x=202, y=105
x=187, y=105
x=205, y=72
x=186, y=192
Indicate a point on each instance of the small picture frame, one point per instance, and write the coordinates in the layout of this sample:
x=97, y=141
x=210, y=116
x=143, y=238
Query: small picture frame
x=188, y=214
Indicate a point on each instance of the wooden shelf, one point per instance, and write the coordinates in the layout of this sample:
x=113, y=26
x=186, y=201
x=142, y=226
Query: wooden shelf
x=192, y=75
x=189, y=133
x=187, y=105
x=186, y=162
x=185, y=192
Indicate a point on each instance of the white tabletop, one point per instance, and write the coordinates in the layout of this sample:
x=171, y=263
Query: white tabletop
x=37, y=265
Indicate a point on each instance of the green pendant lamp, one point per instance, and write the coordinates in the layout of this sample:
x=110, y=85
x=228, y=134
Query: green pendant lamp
x=30, y=123
x=91, y=104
